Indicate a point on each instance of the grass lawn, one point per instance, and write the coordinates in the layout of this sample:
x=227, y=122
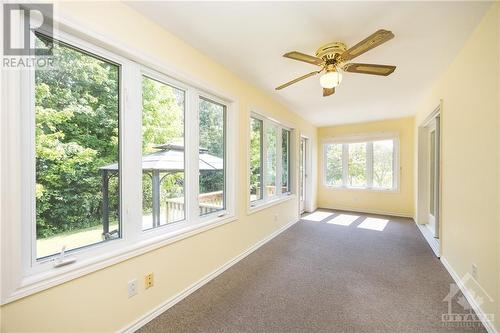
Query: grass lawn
x=72, y=239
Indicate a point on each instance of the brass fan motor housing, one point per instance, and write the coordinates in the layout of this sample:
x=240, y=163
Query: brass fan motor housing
x=330, y=51
x=332, y=57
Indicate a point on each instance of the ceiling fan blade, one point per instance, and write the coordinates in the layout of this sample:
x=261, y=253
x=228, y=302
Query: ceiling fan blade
x=304, y=57
x=373, y=69
x=372, y=41
x=328, y=91
x=297, y=80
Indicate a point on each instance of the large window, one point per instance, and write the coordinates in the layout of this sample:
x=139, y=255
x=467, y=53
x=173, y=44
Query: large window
x=107, y=158
x=285, y=161
x=269, y=160
x=212, y=148
x=76, y=146
x=256, y=188
x=357, y=165
x=365, y=164
x=162, y=153
x=333, y=167
x=383, y=163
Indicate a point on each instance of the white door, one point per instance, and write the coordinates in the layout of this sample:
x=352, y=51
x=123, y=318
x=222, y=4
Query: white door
x=433, y=224
x=303, y=174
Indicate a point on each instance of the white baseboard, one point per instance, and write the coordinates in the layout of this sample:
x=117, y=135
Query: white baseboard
x=429, y=237
x=366, y=211
x=468, y=295
x=134, y=326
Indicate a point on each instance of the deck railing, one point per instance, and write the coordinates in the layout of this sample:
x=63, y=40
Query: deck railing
x=209, y=202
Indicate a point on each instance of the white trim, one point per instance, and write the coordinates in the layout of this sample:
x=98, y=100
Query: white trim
x=44, y=282
x=429, y=237
x=360, y=137
x=422, y=183
x=146, y=318
x=368, y=139
x=488, y=325
x=264, y=116
x=269, y=203
x=366, y=211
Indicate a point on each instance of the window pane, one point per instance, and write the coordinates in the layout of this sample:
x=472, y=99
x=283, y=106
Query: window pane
x=382, y=164
x=212, y=154
x=357, y=164
x=334, y=164
x=285, y=161
x=271, y=136
x=77, y=151
x=162, y=154
x=255, y=159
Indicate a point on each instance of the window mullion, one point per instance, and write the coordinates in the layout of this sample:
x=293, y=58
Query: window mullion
x=192, y=165
x=395, y=164
x=131, y=151
x=345, y=164
x=264, y=160
x=262, y=156
x=369, y=164
x=279, y=161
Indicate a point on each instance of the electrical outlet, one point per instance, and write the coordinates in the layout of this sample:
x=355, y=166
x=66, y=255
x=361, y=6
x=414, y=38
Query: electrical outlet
x=149, y=280
x=474, y=271
x=132, y=288
x=275, y=217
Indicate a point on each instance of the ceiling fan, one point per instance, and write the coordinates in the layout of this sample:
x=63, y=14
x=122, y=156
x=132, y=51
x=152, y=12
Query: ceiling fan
x=332, y=59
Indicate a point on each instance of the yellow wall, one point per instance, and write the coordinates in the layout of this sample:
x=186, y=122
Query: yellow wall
x=397, y=203
x=98, y=302
x=470, y=89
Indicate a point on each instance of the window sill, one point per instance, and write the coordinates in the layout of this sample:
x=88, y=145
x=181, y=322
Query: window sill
x=258, y=206
x=367, y=189
x=38, y=282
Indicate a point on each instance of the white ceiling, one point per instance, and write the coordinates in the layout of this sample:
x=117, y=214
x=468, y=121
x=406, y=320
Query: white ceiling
x=250, y=38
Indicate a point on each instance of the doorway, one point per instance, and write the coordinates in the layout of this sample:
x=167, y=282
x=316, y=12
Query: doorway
x=303, y=174
x=429, y=175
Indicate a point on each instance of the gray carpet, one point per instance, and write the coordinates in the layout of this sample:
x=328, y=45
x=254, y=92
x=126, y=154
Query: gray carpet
x=324, y=277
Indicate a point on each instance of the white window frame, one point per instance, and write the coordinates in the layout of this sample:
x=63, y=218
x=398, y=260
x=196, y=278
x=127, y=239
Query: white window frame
x=289, y=148
x=368, y=139
x=21, y=273
x=280, y=196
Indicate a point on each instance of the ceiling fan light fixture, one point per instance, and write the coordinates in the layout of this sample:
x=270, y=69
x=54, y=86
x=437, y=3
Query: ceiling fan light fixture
x=332, y=59
x=330, y=79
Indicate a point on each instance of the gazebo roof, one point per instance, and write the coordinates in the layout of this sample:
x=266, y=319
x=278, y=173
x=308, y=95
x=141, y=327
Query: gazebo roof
x=170, y=157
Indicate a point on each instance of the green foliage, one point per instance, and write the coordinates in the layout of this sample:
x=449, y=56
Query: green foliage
x=77, y=122
x=334, y=164
x=212, y=138
x=382, y=163
x=271, y=136
x=255, y=157
x=285, y=147
x=76, y=133
x=162, y=114
x=357, y=164
x=162, y=122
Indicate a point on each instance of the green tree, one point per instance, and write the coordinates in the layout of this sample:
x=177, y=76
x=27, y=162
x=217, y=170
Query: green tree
x=212, y=131
x=334, y=164
x=357, y=164
x=382, y=163
x=255, y=158
x=76, y=132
